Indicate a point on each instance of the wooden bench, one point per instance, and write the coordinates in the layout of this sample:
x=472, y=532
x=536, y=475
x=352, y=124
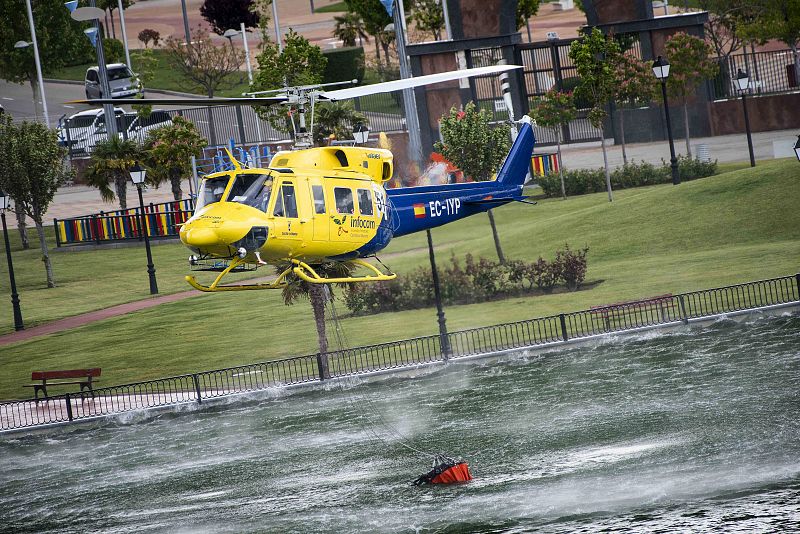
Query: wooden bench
x=84, y=377
x=660, y=303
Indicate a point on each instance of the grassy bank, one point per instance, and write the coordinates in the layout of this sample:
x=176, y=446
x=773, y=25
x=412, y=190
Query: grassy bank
x=165, y=76
x=734, y=227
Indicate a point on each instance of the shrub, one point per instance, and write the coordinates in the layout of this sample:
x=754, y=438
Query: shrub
x=691, y=168
x=113, y=50
x=639, y=174
x=344, y=64
x=571, y=266
x=147, y=35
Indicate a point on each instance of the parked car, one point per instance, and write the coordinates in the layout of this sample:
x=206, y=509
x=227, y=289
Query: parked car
x=82, y=131
x=121, y=80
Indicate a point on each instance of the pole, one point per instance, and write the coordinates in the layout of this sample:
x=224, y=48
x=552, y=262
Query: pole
x=447, y=29
x=151, y=270
x=108, y=109
x=186, y=31
x=673, y=161
x=409, y=100
x=277, y=25
x=124, y=33
x=747, y=128
x=18, y=325
x=247, y=55
x=444, y=340
x=38, y=63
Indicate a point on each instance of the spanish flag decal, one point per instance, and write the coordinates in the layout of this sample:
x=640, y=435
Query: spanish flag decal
x=419, y=211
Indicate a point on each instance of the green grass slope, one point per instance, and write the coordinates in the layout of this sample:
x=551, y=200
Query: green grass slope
x=734, y=227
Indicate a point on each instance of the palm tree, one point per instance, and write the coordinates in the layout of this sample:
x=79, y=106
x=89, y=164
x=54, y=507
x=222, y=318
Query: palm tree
x=110, y=163
x=337, y=118
x=318, y=295
x=348, y=27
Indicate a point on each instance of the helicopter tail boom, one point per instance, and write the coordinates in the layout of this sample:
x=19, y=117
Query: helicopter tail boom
x=421, y=208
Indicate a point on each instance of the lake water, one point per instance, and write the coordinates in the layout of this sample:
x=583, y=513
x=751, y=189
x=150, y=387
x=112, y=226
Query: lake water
x=692, y=430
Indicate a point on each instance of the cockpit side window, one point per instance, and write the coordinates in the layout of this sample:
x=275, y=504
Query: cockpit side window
x=344, y=199
x=241, y=185
x=211, y=190
x=257, y=194
x=319, y=198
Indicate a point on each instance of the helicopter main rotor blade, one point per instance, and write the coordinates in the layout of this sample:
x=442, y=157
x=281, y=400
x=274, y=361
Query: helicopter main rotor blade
x=250, y=101
x=386, y=87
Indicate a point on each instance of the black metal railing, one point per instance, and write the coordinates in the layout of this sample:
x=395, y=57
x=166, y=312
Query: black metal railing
x=194, y=388
x=769, y=72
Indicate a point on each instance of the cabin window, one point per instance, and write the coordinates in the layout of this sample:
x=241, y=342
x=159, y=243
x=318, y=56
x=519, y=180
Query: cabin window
x=344, y=199
x=364, y=202
x=319, y=198
x=286, y=203
x=211, y=190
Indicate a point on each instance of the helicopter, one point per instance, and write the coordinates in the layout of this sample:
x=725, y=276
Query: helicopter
x=314, y=205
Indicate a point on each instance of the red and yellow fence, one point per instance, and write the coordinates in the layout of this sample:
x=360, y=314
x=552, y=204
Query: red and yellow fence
x=161, y=220
x=544, y=164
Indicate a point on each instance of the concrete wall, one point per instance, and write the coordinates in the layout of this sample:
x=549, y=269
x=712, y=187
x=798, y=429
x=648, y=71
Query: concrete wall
x=766, y=113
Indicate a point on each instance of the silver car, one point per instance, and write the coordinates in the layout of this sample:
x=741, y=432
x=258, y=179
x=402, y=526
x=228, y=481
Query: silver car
x=122, y=81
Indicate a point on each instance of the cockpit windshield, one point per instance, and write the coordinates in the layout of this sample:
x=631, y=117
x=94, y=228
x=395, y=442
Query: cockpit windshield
x=210, y=191
x=252, y=190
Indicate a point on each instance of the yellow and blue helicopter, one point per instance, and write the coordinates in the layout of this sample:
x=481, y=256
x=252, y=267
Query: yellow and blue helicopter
x=311, y=206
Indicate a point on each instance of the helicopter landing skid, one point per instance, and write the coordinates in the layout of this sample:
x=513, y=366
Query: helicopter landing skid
x=278, y=283
x=307, y=273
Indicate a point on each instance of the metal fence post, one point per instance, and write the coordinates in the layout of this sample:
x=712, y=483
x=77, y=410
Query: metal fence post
x=69, y=406
x=683, y=309
x=240, y=123
x=563, y=319
x=797, y=279
x=197, y=389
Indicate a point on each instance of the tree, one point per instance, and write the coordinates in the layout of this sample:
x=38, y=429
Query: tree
x=635, y=86
x=348, y=28
x=168, y=152
x=470, y=143
x=147, y=35
x=555, y=111
x=526, y=9
x=428, y=16
x=206, y=65
x=594, y=56
x=691, y=62
x=300, y=63
x=109, y=164
x=229, y=14
x=32, y=171
x=110, y=6
x=337, y=119
x=318, y=295
x=777, y=19
x=375, y=20
x=60, y=39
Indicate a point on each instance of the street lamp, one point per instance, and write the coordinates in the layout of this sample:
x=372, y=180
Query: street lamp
x=742, y=82
x=230, y=34
x=4, y=205
x=37, y=62
x=360, y=134
x=137, y=177
x=797, y=148
x=661, y=70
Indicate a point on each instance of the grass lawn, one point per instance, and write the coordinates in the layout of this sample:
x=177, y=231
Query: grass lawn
x=165, y=76
x=332, y=8
x=733, y=227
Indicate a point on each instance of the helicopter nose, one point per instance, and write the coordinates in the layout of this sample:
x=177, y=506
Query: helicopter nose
x=200, y=237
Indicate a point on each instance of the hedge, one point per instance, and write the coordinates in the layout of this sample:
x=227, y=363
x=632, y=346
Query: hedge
x=344, y=64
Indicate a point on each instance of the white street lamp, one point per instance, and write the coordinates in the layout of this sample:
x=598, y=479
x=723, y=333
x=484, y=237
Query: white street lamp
x=38, y=63
x=360, y=134
x=137, y=177
x=742, y=82
x=661, y=68
x=661, y=71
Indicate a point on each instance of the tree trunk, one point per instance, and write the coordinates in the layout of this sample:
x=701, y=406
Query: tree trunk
x=496, y=238
x=605, y=164
x=622, y=134
x=121, y=187
x=48, y=267
x=560, y=164
x=175, y=180
x=377, y=52
x=686, y=128
x=22, y=226
x=113, y=28
x=316, y=295
x=528, y=26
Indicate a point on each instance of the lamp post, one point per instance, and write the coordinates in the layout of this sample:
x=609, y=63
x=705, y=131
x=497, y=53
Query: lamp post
x=742, y=82
x=4, y=204
x=661, y=70
x=38, y=63
x=137, y=177
x=230, y=34
x=797, y=148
